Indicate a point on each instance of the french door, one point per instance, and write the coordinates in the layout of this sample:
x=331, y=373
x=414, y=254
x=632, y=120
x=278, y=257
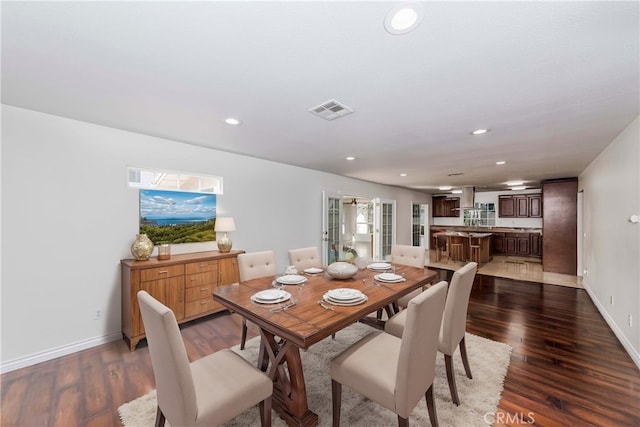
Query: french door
x=384, y=224
x=331, y=226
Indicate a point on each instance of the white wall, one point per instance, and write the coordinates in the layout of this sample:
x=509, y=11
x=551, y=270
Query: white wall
x=611, y=194
x=68, y=218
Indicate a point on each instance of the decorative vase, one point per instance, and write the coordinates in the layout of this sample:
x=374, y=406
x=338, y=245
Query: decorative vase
x=142, y=247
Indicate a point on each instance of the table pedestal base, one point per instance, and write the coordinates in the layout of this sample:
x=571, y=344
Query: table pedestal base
x=289, y=391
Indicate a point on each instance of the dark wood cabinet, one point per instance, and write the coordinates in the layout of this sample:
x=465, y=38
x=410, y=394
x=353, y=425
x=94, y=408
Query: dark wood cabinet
x=520, y=206
x=446, y=207
x=514, y=243
x=560, y=226
x=535, y=206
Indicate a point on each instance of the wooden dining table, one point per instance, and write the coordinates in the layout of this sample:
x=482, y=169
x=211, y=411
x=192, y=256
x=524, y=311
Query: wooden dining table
x=285, y=332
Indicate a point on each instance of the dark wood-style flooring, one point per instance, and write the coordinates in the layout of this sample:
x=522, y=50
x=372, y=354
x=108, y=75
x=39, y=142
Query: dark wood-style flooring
x=567, y=367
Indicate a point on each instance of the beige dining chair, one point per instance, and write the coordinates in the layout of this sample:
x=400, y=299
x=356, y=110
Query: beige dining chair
x=454, y=324
x=254, y=265
x=413, y=256
x=303, y=258
x=210, y=391
x=395, y=372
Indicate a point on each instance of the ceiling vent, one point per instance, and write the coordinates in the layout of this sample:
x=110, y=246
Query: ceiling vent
x=331, y=110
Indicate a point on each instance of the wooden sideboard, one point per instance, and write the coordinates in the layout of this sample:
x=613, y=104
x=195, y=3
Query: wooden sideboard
x=184, y=283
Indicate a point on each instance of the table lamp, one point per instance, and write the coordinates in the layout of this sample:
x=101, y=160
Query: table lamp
x=224, y=224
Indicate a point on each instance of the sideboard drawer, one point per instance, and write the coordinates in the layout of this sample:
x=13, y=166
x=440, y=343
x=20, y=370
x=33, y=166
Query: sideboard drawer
x=199, y=279
x=199, y=292
x=201, y=266
x=193, y=308
x=156, y=273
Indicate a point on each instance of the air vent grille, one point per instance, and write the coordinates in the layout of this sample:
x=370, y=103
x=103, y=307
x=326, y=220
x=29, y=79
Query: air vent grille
x=331, y=110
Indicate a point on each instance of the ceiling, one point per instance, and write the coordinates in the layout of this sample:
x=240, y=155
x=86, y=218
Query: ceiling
x=555, y=82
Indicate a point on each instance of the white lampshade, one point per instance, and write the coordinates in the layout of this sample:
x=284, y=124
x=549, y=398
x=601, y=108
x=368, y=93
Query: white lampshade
x=225, y=224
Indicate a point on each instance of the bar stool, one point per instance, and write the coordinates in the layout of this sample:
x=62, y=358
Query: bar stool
x=457, y=252
x=474, y=249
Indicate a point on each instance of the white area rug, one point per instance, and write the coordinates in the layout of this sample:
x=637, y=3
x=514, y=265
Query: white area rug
x=479, y=397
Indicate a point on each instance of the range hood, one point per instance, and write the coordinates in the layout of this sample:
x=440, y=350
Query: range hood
x=466, y=198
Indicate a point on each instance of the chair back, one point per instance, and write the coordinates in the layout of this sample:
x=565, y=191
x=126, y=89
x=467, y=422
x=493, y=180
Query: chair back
x=256, y=264
x=175, y=389
x=413, y=256
x=454, y=320
x=417, y=362
x=305, y=258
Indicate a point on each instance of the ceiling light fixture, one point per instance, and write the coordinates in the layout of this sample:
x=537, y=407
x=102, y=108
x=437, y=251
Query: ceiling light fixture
x=500, y=162
x=511, y=183
x=480, y=131
x=232, y=121
x=403, y=174
x=519, y=187
x=403, y=18
x=350, y=158
x=456, y=191
x=444, y=188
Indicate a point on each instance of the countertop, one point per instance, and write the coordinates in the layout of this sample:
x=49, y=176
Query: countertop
x=457, y=228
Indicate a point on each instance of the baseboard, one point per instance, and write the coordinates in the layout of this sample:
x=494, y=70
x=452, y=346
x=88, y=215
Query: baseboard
x=43, y=356
x=633, y=353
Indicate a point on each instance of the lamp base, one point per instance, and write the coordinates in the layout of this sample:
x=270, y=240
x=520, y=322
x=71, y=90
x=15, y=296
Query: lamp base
x=224, y=243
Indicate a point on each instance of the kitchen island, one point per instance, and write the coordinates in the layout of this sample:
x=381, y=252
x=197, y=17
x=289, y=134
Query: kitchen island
x=463, y=246
x=504, y=240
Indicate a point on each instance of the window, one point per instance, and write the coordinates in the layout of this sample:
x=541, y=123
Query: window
x=143, y=178
x=364, y=218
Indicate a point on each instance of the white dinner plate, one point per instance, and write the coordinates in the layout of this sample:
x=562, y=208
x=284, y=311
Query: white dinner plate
x=313, y=270
x=389, y=277
x=379, y=265
x=270, y=296
x=358, y=301
x=292, y=279
x=344, y=294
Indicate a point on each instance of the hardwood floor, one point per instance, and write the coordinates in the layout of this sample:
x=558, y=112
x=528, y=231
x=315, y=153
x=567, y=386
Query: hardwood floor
x=567, y=367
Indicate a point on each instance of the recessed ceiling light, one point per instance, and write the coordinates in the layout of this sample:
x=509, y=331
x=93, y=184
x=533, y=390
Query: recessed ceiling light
x=350, y=158
x=403, y=174
x=519, y=187
x=500, y=162
x=510, y=183
x=456, y=191
x=232, y=121
x=403, y=18
x=444, y=188
x=480, y=131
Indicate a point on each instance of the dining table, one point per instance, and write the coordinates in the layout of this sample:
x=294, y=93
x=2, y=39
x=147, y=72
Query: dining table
x=307, y=318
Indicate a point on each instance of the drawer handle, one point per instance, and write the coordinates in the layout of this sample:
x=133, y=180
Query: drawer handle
x=203, y=265
x=204, y=289
x=163, y=272
x=204, y=302
x=193, y=279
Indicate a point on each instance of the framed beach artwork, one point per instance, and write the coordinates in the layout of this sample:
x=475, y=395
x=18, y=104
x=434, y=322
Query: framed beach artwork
x=177, y=216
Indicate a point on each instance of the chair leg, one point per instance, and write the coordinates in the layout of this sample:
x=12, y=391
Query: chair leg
x=265, y=412
x=431, y=406
x=243, y=340
x=448, y=362
x=160, y=419
x=465, y=359
x=403, y=422
x=379, y=314
x=336, y=399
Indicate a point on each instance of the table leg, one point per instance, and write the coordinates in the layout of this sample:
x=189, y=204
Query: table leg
x=289, y=390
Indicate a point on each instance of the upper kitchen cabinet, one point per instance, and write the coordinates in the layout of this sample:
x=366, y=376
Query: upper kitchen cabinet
x=520, y=206
x=446, y=206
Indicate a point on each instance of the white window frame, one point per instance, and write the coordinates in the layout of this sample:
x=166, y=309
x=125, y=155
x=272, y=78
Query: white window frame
x=165, y=179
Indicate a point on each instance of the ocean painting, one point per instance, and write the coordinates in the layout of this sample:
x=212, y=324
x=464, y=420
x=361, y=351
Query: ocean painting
x=177, y=217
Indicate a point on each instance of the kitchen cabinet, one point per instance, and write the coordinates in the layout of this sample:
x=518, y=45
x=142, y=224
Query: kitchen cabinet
x=520, y=206
x=184, y=283
x=517, y=243
x=446, y=206
x=560, y=226
x=535, y=244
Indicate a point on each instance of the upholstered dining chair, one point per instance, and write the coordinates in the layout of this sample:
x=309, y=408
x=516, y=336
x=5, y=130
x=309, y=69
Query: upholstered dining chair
x=305, y=258
x=254, y=265
x=413, y=256
x=210, y=391
x=454, y=324
x=395, y=372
